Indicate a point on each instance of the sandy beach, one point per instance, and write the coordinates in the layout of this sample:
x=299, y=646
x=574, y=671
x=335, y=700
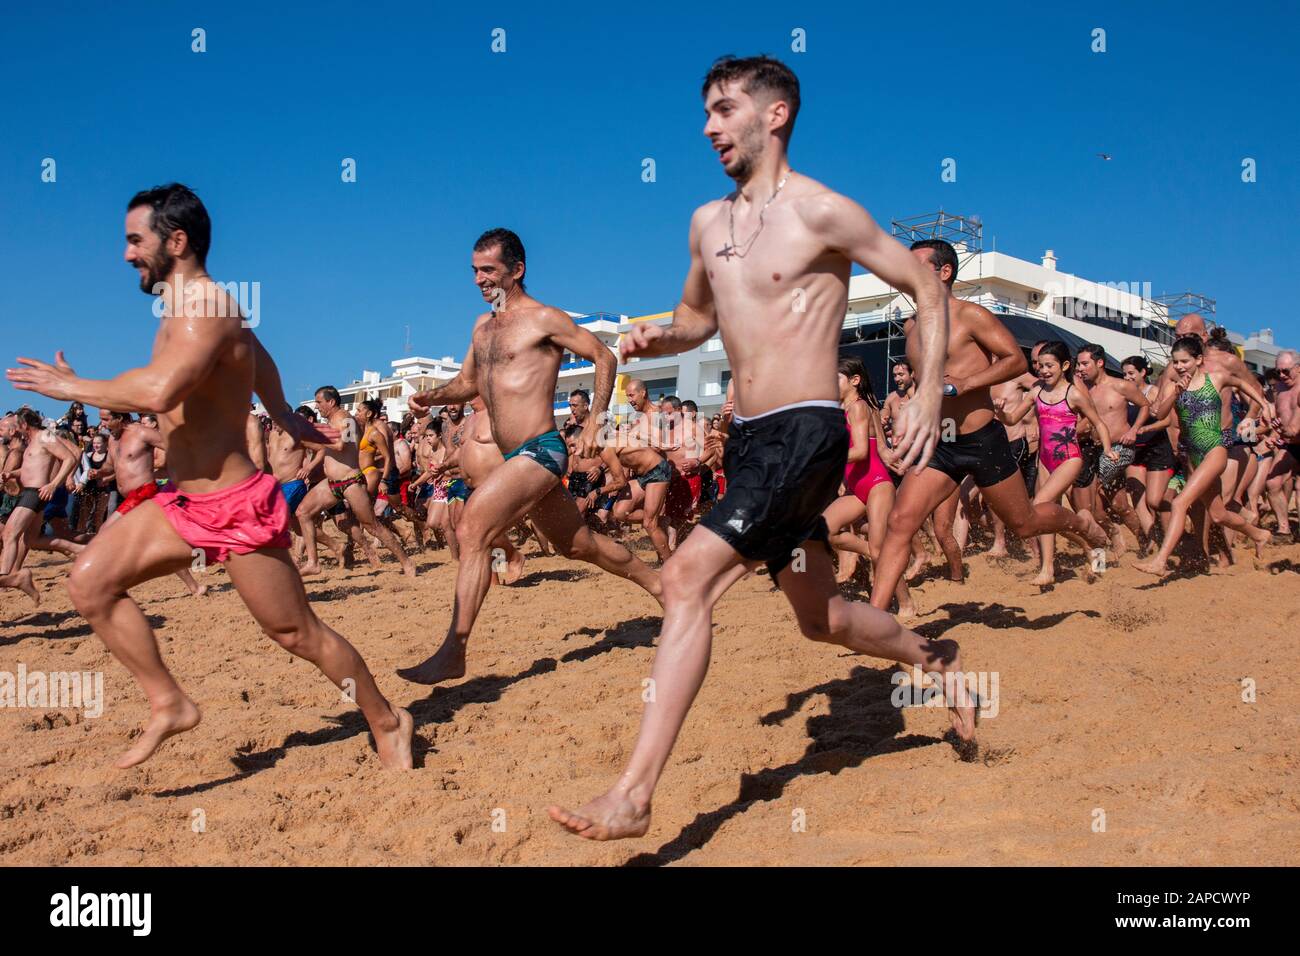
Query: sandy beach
x=1118, y=702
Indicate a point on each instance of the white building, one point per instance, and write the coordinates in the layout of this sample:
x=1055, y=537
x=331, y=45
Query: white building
x=409, y=375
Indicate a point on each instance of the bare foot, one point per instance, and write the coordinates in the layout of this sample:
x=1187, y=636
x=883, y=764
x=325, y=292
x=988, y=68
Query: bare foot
x=447, y=663
x=608, y=817
x=394, y=745
x=307, y=569
x=199, y=591
x=514, y=569
x=1092, y=531
x=1261, y=537
x=408, y=568
x=1158, y=568
x=163, y=723
x=917, y=565
x=906, y=615
x=1044, y=579
x=1117, y=544
x=22, y=580
x=373, y=557
x=998, y=551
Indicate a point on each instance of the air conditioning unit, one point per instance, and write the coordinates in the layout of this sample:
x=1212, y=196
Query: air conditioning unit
x=1035, y=297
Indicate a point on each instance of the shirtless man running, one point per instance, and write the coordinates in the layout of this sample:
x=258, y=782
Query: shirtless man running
x=514, y=363
x=896, y=401
x=344, y=482
x=47, y=462
x=788, y=443
x=199, y=380
x=641, y=449
x=981, y=352
x=1112, y=396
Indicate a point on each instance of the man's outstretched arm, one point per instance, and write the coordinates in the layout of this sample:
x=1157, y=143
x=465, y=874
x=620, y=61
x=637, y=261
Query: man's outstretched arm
x=849, y=229
x=192, y=346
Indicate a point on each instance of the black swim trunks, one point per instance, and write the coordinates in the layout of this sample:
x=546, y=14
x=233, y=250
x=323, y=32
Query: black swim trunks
x=783, y=469
x=1090, y=453
x=30, y=498
x=984, y=453
x=1156, y=455
x=660, y=472
x=1027, y=460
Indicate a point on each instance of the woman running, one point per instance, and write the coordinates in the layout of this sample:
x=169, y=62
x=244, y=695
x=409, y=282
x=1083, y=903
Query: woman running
x=1059, y=405
x=869, y=490
x=1195, y=395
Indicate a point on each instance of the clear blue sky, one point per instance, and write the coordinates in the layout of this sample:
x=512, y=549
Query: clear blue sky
x=548, y=138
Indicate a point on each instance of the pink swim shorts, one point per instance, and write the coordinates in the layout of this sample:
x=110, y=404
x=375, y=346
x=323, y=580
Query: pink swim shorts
x=243, y=518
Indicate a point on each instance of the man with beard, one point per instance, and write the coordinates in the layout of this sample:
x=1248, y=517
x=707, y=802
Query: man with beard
x=896, y=401
x=205, y=366
x=777, y=235
x=514, y=363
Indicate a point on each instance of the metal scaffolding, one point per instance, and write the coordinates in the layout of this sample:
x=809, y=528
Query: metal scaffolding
x=966, y=234
x=1166, y=311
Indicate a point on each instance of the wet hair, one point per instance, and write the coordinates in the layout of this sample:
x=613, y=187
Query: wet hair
x=511, y=249
x=1095, y=352
x=851, y=365
x=571, y=430
x=941, y=254
x=372, y=406
x=1191, y=344
x=1219, y=334
x=586, y=396
x=906, y=364
x=1059, y=351
x=330, y=392
x=30, y=417
x=1138, y=362
x=176, y=207
x=760, y=76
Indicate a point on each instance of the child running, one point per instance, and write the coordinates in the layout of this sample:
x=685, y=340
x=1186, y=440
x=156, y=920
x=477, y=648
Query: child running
x=1195, y=394
x=1059, y=405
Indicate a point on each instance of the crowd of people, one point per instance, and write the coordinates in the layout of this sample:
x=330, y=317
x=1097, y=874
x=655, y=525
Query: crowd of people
x=801, y=475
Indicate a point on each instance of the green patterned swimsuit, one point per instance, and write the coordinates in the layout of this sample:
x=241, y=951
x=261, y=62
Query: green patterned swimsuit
x=1199, y=415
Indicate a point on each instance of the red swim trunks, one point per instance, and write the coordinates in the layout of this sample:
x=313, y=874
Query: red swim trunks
x=683, y=495
x=243, y=518
x=137, y=496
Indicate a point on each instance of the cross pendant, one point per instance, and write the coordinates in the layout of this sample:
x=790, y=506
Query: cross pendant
x=728, y=250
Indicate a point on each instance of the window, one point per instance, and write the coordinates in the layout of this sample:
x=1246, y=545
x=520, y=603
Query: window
x=725, y=379
x=658, y=387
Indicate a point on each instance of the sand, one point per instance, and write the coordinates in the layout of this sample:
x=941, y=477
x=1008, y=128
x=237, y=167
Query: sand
x=1119, y=702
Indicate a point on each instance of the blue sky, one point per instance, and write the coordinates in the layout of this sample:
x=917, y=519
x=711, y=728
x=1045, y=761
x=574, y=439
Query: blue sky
x=548, y=138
